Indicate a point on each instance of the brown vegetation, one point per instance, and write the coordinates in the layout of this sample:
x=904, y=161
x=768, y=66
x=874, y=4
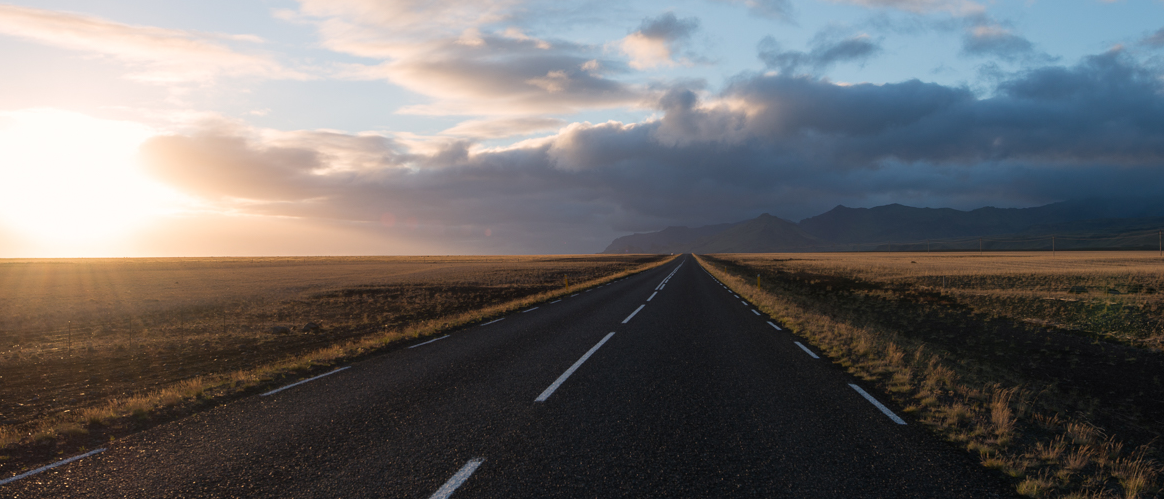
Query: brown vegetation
x=92, y=343
x=1063, y=412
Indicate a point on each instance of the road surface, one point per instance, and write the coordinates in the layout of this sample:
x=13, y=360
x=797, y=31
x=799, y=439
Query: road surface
x=663, y=384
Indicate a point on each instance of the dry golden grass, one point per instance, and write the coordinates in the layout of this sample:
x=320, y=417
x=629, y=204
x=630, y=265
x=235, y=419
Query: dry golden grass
x=1013, y=420
x=148, y=334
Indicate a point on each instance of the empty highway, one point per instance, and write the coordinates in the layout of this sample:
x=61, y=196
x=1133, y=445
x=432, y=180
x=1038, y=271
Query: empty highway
x=663, y=384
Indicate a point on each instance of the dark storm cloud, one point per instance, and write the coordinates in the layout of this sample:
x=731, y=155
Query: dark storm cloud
x=792, y=146
x=826, y=50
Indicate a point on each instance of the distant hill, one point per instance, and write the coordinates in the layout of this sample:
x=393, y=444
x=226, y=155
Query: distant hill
x=764, y=233
x=895, y=223
x=665, y=240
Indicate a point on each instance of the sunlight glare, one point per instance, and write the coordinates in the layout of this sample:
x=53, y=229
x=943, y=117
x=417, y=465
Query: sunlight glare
x=72, y=178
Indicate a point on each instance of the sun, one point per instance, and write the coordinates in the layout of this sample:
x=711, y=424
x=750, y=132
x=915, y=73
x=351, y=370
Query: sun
x=71, y=178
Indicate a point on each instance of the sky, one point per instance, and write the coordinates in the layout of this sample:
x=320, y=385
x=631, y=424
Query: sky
x=376, y=127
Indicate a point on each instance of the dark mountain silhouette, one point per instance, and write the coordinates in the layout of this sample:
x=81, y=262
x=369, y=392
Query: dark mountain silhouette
x=900, y=224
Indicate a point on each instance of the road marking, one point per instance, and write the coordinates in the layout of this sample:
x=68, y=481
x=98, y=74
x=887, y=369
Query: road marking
x=588, y=290
x=573, y=295
x=653, y=295
x=755, y=312
x=429, y=341
x=878, y=404
x=735, y=295
x=51, y=466
x=775, y=326
x=806, y=350
x=663, y=286
x=277, y=390
x=558, y=382
x=491, y=322
x=457, y=480
x=555, y=301
x=530, y=310
x=744, y=302
x=628, y=318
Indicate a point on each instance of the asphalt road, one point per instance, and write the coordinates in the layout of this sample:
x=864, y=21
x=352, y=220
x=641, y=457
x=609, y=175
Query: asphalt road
x=633, y=389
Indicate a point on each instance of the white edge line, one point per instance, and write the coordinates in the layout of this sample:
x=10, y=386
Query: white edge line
x=427, y=342
x=629, y=317
x=561, y=379
x=491, y=322
x=653, y=295
x=51, y=466
x=530, y=310
x=457, y=480
x=775, y=326
x=878, y=404
x=755, y=312
x=329, y=373
x=806, y=350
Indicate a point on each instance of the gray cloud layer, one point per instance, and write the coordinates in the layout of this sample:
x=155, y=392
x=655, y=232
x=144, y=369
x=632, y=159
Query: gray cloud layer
x=792, y=146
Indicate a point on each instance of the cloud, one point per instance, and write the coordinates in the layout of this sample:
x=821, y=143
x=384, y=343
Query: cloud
x=500, y=128
x=826, y=50
x=789, y=145
x=1155, y=40
x=161, y=55
x=956, y=7
x=466, y=59
x=772, y=9
x=986, y=38
x=657, y=40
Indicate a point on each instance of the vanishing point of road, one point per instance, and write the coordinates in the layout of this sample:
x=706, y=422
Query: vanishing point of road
x=662, y=384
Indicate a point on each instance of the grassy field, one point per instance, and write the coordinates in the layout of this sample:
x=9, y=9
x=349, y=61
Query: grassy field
x=1048, y=368
x=85, y=342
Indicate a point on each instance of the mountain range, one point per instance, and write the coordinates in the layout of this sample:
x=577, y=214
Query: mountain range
x=1097, y=223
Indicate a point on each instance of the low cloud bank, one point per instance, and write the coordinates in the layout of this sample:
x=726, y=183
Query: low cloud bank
x=790, y=145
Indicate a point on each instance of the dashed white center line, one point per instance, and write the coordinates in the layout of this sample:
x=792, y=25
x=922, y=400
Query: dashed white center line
x=775, y=326
x=806, y=350
x=51, y=466
x=329, y=373
x=662, y=286
x=573, y=295
x=629, y=317
x=755, y=312
x=874, y=401
x=429, y=341
x=653, y=295
x=566, y=375
x=555, y=301
x=744, y=302
x=457, y=480
x=491, y=322
x=530, y=310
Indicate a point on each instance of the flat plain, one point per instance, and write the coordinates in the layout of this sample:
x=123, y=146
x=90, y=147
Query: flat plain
x=75, y=332
x=1048, y=367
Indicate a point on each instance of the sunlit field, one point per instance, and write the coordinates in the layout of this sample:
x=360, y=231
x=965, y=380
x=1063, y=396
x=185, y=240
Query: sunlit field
x=74, y=332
